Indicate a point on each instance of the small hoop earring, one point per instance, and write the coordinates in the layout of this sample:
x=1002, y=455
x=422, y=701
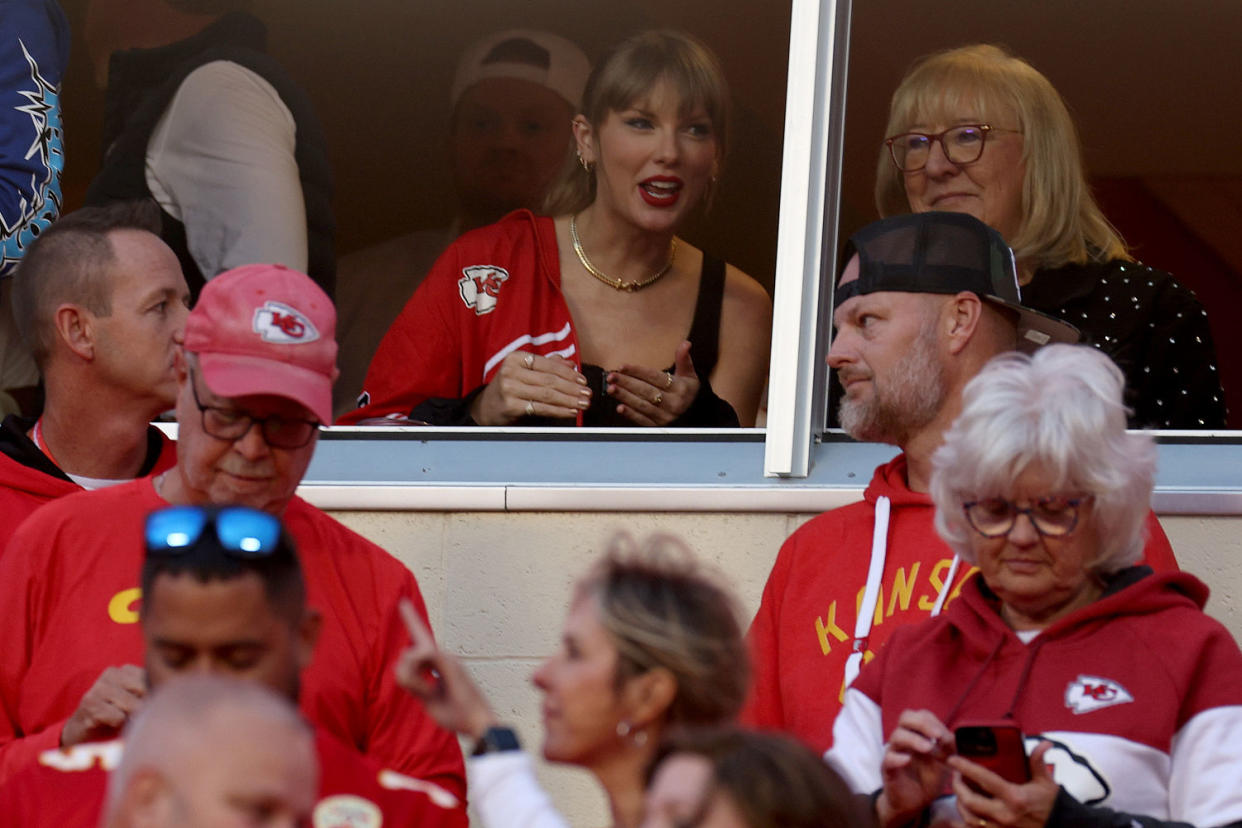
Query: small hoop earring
x=588, y=166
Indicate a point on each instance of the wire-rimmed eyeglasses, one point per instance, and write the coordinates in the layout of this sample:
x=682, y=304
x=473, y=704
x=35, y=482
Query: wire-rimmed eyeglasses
x=1052, y=517
x=962, y=144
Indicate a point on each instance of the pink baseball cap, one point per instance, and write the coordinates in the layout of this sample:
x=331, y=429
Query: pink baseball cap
x=266, y=329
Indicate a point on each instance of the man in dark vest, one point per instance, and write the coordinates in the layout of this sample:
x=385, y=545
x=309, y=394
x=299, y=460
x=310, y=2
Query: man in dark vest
x=201, y=120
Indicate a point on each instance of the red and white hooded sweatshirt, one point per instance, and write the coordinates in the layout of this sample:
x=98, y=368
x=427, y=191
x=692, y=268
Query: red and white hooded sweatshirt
x=1140, y=694
x=841, y=586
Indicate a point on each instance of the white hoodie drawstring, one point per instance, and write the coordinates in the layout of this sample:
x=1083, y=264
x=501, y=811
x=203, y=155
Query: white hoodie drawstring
x=871, y=595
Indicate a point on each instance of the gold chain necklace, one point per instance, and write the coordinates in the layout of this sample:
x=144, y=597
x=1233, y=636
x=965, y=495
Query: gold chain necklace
x=617, y=284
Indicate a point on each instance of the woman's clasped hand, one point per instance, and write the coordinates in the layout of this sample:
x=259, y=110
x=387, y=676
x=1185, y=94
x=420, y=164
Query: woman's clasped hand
x=532, y=386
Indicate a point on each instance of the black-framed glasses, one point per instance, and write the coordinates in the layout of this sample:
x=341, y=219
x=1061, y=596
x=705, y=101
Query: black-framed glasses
x=241, y=531
x=1052, y=517
x=231, y=424
x=962, y=144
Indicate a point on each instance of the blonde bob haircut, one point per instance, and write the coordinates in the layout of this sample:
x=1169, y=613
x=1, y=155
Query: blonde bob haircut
x=1061, y=410
x=662, y=611
x=629, y=73
x=1061, y=223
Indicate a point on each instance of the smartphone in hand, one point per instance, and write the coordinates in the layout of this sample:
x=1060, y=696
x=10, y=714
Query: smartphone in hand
x=998, y=746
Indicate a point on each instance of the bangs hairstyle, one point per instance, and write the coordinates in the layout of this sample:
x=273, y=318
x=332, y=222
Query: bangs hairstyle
x=661, y=610
x=1061, y=222
x=1060, y=409
x=628, y=74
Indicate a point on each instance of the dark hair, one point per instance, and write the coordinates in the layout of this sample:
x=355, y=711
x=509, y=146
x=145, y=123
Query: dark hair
x=69, y=263
x=631, y=70
x=662, y=611
x=773, y=780
x=206, y=560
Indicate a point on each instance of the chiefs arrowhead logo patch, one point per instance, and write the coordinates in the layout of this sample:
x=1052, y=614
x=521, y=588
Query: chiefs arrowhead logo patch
x=347, y=811
x=480, y=287
x=279, y=323
x=1089, y=693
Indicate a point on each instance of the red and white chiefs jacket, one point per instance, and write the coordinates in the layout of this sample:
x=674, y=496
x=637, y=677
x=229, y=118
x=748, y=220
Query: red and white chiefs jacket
x=807, y=625
x=1140, y=694
x=494, y=291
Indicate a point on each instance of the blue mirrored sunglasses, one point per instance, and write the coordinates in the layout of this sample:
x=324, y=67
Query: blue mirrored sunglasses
x=241, y=531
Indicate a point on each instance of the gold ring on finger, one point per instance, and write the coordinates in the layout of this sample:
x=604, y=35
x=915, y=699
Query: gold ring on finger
x=529, y=362
x=658, y=398
x=530, y=409
x=668, y=380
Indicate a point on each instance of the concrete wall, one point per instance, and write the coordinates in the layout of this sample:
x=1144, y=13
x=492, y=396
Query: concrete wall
x=497, y=586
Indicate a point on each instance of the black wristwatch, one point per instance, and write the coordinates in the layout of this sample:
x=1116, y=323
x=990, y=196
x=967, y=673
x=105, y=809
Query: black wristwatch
x=496, y=739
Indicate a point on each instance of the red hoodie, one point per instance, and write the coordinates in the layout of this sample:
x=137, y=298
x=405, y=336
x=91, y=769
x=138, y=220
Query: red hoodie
x=28, y=479
x=805, y=627
x=1139, y=692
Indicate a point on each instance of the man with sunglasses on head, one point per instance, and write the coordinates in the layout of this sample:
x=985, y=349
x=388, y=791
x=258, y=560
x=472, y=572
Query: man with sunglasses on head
x=225, y=596
x=923, y=303
x=254, y=382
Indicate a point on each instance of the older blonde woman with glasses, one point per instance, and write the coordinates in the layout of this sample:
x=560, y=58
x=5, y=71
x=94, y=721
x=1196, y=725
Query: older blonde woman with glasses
x=1127, y=696
x=977, y=130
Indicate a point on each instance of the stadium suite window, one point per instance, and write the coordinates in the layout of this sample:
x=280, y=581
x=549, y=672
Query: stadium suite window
x=825, y=155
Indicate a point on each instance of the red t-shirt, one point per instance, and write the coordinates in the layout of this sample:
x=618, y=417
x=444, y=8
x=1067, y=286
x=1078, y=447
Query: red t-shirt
x=66, y=789
x=69, y=609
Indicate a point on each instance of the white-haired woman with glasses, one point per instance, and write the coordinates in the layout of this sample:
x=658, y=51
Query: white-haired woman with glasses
x=977, y=130
x=1128, y=696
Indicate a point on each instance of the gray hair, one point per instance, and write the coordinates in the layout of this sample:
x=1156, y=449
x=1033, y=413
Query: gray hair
x=1060, y=409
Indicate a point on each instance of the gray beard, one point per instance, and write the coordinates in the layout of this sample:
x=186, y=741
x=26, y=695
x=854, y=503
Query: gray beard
x=904, y=403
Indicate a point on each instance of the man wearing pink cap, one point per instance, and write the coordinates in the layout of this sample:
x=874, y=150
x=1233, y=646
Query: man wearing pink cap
x=255, y=382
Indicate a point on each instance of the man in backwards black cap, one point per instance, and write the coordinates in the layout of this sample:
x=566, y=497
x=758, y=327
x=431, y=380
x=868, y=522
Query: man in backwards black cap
x=923, y=303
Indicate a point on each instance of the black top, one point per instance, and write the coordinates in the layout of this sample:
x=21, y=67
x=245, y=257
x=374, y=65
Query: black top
x=1153, y=328
x=704, y=350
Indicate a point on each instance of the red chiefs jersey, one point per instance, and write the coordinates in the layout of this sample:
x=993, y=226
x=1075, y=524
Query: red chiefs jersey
x=494, y=291
x=70, y=609
x=66, y=789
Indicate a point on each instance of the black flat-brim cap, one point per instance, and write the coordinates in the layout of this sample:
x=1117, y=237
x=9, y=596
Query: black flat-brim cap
x=947, y=253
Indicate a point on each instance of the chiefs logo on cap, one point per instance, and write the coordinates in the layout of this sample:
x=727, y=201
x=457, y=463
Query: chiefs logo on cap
x=1088, y=693
x=279, y=323
x=480, y=287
